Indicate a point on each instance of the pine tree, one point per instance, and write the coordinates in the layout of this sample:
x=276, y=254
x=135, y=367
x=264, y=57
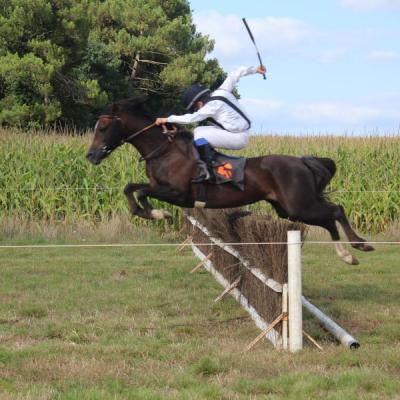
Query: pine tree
x=64, y=60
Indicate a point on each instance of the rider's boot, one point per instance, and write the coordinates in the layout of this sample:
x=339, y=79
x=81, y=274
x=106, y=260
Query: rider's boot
x=204, y=159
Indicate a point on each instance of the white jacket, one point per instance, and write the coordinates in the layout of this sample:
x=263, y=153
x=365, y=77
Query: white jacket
x=221, y=112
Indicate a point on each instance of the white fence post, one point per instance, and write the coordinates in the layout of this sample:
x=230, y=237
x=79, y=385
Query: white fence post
x=294, y=291
x=285, y=319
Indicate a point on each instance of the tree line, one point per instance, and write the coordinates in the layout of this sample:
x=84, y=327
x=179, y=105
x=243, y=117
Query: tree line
x=62, y=61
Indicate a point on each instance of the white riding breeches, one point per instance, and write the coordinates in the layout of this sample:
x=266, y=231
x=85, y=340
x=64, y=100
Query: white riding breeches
x=220, y=138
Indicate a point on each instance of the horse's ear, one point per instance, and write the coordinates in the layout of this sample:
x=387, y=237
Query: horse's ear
x=114, y=108
x=134, y=101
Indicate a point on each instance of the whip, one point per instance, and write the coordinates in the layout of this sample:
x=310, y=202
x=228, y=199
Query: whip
x=254, y=42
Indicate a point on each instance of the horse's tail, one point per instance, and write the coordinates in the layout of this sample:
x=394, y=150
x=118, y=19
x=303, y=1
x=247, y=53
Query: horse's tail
x=323, y=170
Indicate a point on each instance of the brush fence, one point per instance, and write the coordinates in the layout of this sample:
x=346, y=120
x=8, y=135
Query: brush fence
x=264, y=278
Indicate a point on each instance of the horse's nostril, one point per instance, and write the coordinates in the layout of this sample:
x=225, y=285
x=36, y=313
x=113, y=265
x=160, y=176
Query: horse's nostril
x=89, y=154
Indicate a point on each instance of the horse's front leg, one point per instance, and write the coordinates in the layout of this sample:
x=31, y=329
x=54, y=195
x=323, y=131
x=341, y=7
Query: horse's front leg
x=164, y=193
x=134, y=206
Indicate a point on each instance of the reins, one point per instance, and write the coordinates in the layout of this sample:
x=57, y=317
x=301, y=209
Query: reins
x=146, y=128
x=169, y=133
x=157, y=152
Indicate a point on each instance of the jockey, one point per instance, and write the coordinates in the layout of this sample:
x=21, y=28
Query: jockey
x=230, y=125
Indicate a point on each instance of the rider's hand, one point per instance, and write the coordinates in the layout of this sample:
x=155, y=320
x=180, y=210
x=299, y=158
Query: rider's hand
x=261, y=69
x=161, y=121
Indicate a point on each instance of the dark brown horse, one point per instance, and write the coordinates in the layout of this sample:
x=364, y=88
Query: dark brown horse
x=292, y=185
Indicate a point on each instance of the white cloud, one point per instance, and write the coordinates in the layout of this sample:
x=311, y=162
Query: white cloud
x=283, y=38
x=340, y=112
x=327, y=116
x=383, y=55
x=232, y=40
x=261, y=108
x=368, y=5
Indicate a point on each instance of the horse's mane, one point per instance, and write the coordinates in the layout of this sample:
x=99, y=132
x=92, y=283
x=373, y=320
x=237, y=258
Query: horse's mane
x=133, y=105
x=141, y=105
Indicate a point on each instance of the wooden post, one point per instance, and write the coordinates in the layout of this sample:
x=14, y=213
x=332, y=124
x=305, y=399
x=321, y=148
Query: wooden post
x=187, y=242
x=228, y=289
x=312, y=340
x=201, y=263
x=263, y=333
x=294, y=292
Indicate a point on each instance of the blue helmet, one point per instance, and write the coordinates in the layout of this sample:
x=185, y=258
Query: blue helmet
x=192, y=94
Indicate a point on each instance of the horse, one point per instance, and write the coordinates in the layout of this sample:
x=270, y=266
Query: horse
x=294, y=186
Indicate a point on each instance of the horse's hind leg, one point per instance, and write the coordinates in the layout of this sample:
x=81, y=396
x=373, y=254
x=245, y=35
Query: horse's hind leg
x=323, y=214
x=327, y=211
x=356, y=241
x=341, y=251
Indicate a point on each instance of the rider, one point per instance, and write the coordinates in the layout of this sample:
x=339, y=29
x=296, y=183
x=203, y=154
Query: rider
x=230, y=125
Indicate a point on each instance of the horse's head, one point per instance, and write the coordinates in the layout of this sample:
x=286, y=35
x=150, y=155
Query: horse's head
x=111, y=129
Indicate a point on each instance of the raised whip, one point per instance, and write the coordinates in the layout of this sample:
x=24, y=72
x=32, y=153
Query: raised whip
x=254, y=42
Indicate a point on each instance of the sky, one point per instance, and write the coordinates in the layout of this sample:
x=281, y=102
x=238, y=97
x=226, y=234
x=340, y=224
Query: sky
x=333, y=65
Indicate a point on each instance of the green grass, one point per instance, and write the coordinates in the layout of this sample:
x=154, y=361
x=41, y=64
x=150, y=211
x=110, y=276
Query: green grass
x=132, y=323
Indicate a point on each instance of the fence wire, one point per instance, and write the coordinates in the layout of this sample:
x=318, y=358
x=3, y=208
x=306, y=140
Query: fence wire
x=127, y=245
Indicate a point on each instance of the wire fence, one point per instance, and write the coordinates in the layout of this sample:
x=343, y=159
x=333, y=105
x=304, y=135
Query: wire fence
x=128, y=245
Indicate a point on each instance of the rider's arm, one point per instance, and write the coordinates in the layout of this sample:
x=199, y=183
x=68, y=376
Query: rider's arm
x=233, y=78
x=205, y=112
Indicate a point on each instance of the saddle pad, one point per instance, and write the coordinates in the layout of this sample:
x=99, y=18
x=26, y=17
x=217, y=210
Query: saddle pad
x=229, y=169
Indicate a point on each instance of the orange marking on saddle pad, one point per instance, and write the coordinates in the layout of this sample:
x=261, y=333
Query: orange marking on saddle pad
x=225, y=170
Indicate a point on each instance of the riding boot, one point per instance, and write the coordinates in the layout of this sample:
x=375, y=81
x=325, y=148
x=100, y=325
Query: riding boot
x=207, y=153
x=203, y=173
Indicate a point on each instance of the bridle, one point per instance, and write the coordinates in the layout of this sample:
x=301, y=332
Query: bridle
x=170, y=133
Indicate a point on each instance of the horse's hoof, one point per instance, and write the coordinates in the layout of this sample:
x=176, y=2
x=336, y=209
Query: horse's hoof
x=367, y=247
x=350, y=259
x=363, y=247
x=168, y=217
x=161, y=214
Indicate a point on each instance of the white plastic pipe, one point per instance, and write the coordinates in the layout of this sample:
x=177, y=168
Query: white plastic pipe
x=331, y=326
x=294, y=292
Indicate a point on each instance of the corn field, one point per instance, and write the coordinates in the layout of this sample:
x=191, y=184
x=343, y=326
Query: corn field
x=46, y=176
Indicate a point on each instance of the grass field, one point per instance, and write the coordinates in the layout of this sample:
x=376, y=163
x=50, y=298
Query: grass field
x=132, y=323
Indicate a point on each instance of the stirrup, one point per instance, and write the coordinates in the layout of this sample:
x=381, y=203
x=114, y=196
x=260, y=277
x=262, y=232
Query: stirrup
x=202, y=177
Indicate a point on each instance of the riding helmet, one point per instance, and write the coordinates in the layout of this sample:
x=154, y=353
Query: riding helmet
x=193, y=94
